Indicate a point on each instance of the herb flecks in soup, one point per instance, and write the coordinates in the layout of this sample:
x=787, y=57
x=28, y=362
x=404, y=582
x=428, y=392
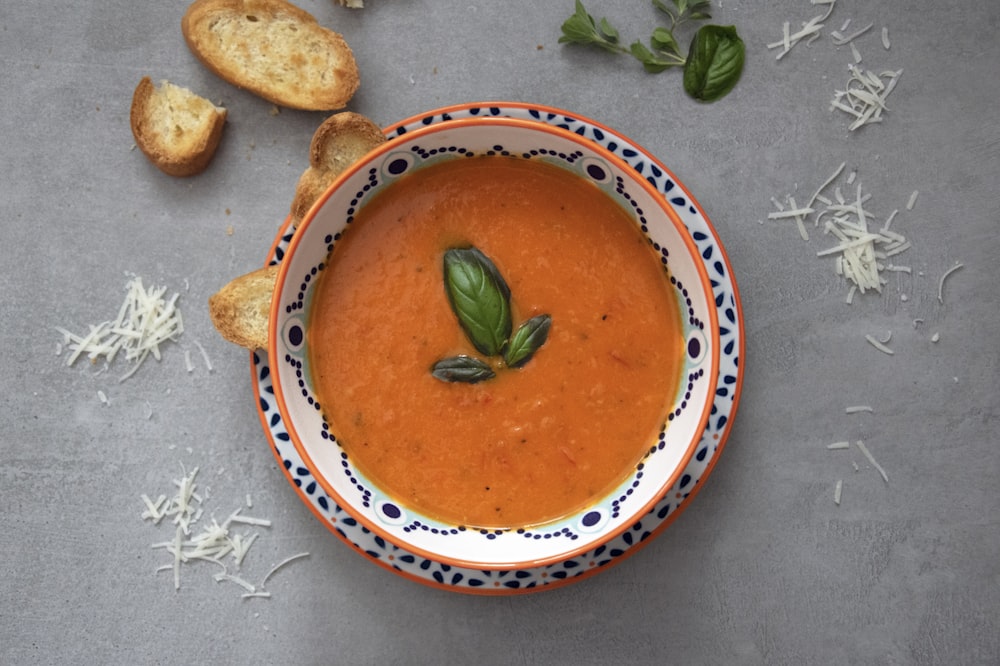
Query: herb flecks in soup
x=480, y=298
x=525, y=447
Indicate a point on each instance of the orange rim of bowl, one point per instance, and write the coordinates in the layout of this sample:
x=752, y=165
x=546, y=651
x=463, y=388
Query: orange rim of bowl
x=661, y=203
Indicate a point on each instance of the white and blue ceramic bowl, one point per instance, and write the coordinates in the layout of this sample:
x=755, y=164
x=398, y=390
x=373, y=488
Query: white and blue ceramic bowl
x=513, y=547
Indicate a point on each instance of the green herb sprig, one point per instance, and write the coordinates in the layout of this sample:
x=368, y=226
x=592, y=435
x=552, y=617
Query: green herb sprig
x=480, y=298
x=715, y=57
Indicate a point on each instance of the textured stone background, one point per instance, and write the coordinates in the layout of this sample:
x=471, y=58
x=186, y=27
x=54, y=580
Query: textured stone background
x=761, y=568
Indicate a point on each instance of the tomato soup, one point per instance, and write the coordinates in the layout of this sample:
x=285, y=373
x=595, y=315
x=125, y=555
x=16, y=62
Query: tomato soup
x=533, y=443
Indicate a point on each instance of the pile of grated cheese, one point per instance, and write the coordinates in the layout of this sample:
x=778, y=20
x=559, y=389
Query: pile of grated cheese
x=214, y=543
x=810, y=30
x=864, y=247
x=146, y=320
x=864, y=96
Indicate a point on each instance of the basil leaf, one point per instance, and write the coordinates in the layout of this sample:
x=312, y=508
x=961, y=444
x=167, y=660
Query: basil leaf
x=530, y=336
x=464, y=369
x=714, y=63
x=480, y=298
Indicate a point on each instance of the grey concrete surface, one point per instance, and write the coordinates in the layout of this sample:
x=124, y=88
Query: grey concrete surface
x=762, y=567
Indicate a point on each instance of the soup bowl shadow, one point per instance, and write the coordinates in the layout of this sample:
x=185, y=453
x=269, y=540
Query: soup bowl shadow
x=316, y=437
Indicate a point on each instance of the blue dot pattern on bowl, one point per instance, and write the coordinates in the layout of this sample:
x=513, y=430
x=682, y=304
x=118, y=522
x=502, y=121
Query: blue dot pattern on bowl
x=502, y=581
x=398, y=164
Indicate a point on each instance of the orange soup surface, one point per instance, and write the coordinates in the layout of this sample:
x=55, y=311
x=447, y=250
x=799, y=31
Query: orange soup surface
x=534, y=443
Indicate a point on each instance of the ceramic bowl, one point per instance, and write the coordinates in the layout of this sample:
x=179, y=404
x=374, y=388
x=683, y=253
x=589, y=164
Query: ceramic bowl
x=514, y=546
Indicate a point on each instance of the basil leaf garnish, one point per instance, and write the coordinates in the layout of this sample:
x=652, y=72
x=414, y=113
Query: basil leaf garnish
x=529, y=336
x=462, y=369
x=714, y=63
x=480, y=298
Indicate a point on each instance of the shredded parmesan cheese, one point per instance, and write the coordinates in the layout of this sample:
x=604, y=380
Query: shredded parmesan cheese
x=943, y=278
x=878, y=345
x=810, y=30
x=856, y=54
x=837, y=489
x=838, y=445
x=854, y=409
x=145, y=321
x=280, y=565
x=259, y=595
x=871, y=460
x=215, y=542
x=840, y=39
x=864, y=96
x=204, y=355
x=863, y=246
x=885, y=38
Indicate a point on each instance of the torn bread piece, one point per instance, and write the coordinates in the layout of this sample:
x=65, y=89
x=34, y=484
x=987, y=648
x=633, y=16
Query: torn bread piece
x=273, y=49
x=339, y=142
x=241, y=310
x=174, y=127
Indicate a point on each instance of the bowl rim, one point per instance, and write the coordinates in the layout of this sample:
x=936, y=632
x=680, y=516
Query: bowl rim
x=297, y=441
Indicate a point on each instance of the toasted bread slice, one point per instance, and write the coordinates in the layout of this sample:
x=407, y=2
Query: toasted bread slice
x=273, y=49
x=240, y=311
x=340, y=141
x=175, y=128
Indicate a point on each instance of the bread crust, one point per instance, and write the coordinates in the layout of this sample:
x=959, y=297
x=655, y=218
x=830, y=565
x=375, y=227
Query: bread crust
x=273, y=49
x=241, y=310
x=177, y=156
x=340, y=141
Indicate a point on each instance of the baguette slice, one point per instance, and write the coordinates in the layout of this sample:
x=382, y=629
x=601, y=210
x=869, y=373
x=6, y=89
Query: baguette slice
x=338, y=142
x=273, y=49
x=175, y=128
x=240, y=311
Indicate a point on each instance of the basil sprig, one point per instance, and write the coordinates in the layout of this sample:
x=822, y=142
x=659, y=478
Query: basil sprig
x=480, y=298
x=714, y=61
